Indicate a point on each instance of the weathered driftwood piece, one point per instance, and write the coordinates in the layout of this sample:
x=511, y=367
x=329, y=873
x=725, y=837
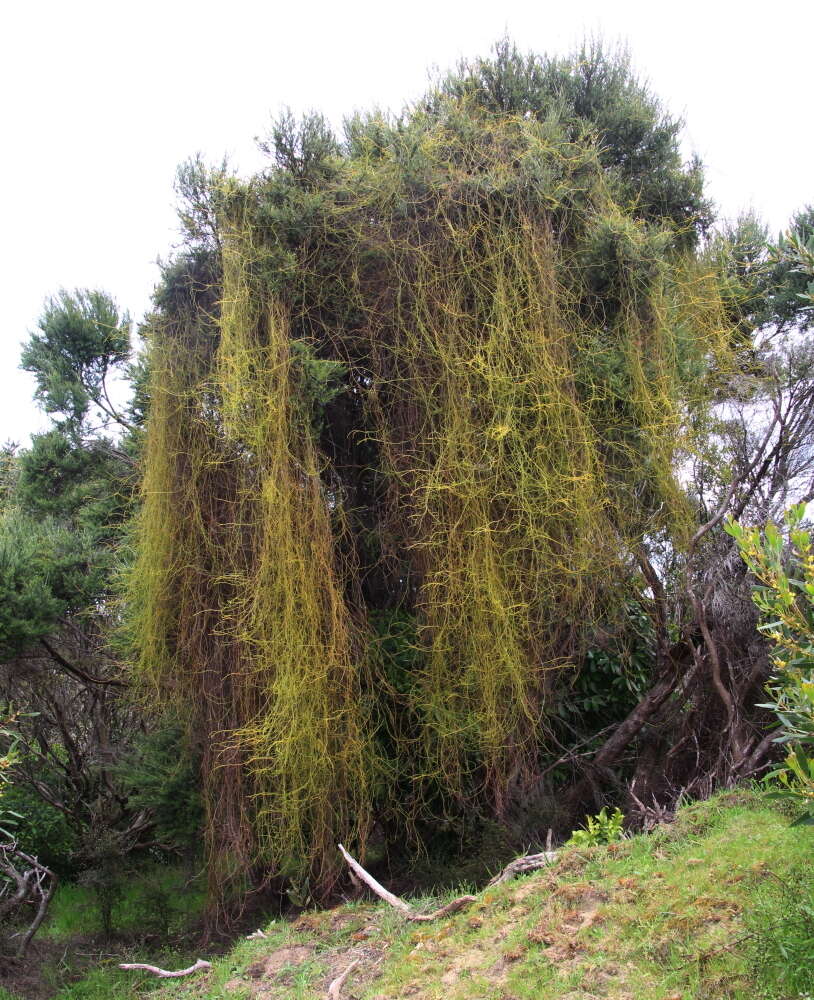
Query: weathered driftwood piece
x=335, y=989
x=528, y=863
x=460, y=903
x=457, y=904
x=163, y=974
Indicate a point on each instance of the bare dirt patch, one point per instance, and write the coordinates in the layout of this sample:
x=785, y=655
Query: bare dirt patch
x=283, y=958
x=464, y=962
x=271, y=977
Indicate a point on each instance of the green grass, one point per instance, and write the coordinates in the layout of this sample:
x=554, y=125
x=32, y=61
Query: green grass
x=705, y=909
x=159, y=898
x=156, y=903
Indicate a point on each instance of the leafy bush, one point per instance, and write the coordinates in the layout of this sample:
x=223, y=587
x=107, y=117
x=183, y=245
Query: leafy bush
x=785, y=596
x=781, y=945
x=599, y=829
x=46, y=571
x=160, y=774
x=40, y=830
x=106, y=873
x=613, y=674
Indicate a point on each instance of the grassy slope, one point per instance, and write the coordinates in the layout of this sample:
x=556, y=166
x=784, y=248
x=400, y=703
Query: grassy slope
x=676, y=914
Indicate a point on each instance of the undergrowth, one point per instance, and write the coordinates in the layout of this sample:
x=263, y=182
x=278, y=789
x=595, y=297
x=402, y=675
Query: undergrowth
x=154, y=900
x=157, y=908
x=781, y=942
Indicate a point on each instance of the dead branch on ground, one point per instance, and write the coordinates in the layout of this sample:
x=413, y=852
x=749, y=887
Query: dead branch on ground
x=335, y=989
x=33, y=883
x=526, y=863
x=457, y=904
x=163, y=974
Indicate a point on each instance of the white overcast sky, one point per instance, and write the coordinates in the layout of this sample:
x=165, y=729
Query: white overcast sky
x=99, y=102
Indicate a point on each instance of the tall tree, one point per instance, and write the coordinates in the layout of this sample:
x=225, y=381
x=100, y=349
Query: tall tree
x=63, y=520
x=417, y=409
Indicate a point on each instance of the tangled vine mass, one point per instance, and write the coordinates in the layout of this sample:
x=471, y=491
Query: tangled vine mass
x=417, y=400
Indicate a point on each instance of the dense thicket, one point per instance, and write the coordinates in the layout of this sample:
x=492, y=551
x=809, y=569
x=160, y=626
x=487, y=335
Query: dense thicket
x=63, y=511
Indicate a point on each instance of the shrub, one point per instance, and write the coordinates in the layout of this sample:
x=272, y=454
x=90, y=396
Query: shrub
x=785, y=597
x=160, y=774
x=40, y=830
x=599, y=829
x=782, y=937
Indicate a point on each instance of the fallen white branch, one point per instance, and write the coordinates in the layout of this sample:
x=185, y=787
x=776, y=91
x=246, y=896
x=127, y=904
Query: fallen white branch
x=163, y=974
x=335, y=988
x=371, y=883
x=457, y=904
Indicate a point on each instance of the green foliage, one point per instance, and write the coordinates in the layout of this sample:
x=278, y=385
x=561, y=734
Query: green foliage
x=318, y=381
x=741, y=252
x=781, y=941
x=68, y=494
x=766, y=287
x=791, y=299
x=82, y=340
x=603, y=828
x=152, y=898
x=79, y=487
x=596, y=92
x=612, y=675
x=304, y=149
x=45, y=572
x=160, y=773
x=199, y=187
x=41, y=830
x=160, y=903
x=63, y=509
x=785, y=597
x=8, y=475
x=105, y=872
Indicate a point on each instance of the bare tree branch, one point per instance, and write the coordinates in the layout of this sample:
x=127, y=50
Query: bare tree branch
x=77, y=672
x=335, y=989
